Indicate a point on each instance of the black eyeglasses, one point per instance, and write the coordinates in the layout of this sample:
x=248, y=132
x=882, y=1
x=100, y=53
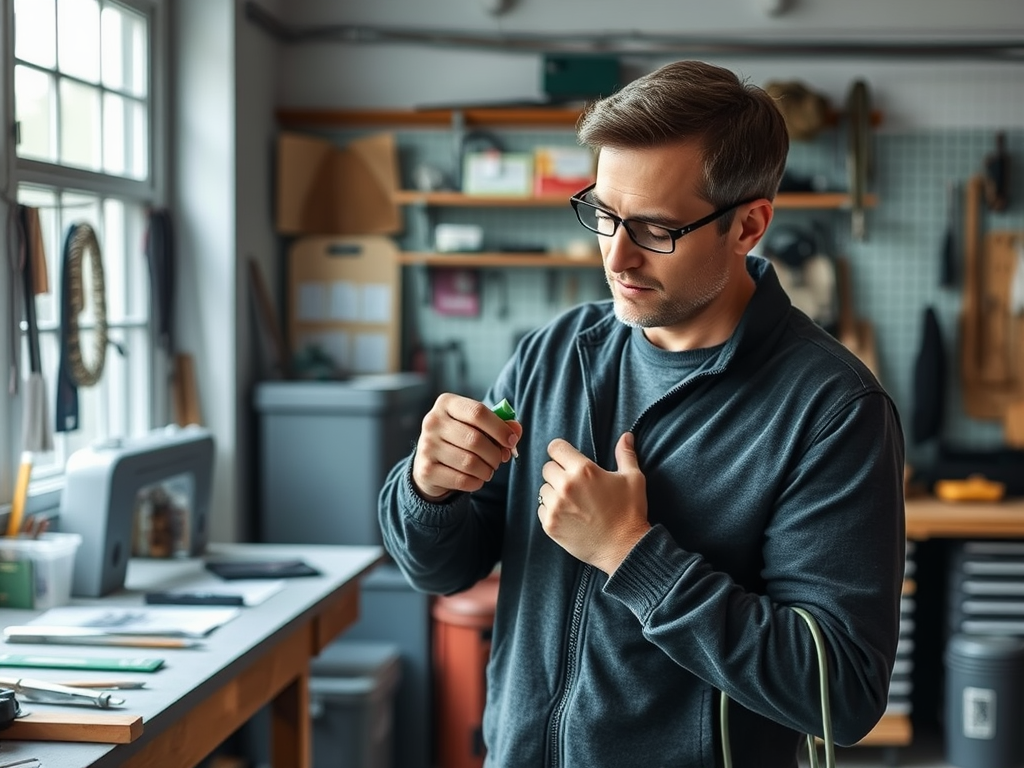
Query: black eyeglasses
x=650, y=237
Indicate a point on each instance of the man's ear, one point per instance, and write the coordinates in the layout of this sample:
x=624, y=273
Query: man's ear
x=751, y=223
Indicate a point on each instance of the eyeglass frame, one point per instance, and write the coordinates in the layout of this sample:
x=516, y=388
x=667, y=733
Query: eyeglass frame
x=576, y=200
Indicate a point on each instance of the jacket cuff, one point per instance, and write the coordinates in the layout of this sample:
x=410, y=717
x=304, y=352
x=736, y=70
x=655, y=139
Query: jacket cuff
x=431, y=513
x=649, y=572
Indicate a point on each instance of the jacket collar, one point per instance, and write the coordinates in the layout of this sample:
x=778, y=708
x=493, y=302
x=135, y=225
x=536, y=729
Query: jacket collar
x=765, y=311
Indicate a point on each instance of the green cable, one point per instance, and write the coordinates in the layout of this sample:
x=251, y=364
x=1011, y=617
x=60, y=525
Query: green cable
x=826, y=712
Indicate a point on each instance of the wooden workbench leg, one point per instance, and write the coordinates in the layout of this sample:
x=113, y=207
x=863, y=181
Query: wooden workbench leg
x=290, y=729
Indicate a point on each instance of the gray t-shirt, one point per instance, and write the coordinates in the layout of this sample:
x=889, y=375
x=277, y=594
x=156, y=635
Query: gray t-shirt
x=647, y=373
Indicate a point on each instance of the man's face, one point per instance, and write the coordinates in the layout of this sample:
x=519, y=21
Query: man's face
x=676, y=296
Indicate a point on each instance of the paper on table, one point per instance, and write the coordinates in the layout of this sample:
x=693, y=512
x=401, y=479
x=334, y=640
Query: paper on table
x=171, y=620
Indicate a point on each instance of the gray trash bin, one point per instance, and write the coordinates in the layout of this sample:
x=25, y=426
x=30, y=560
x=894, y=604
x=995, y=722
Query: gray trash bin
x=325, y=449
x=351, y=691
x=984, y=701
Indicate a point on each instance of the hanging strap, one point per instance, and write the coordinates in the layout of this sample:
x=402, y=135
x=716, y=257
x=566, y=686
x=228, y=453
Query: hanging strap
x=826, y=711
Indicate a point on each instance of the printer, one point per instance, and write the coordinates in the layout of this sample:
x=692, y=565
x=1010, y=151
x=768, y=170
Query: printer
x=158, y=484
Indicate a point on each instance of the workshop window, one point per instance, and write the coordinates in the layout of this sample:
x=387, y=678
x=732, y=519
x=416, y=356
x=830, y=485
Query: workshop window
x=84, y=74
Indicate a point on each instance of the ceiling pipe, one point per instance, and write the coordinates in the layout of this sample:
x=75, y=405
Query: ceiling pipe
x=637, y=43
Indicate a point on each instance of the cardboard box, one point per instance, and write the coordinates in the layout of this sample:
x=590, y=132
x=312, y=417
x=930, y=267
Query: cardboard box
x=324, y=189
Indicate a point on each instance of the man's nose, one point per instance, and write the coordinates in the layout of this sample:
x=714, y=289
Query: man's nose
x=620, y=252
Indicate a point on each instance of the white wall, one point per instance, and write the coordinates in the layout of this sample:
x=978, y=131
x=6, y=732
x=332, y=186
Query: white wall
x=222, y=134
x=912, y=93
x=203, y=199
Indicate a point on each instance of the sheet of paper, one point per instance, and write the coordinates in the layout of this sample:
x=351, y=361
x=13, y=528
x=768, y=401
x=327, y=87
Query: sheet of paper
x=171, y=620
x=376, y=304
x=371, y=353
x=344, y=301
x=312, y=301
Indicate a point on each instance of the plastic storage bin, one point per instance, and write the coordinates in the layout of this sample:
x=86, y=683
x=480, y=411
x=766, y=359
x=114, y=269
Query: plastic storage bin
x=325, y=449
x=462, y=647
x=391, y=611
x=52, y=556
x=984, y=701
x=351, y=692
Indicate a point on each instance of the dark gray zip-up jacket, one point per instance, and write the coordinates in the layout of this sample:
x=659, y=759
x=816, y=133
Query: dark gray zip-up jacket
x=774, y=478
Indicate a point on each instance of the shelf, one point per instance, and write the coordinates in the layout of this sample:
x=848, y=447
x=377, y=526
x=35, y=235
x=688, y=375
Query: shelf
x=497, y=259
x=460, y=200
x=794, y=200
x=929, y=517
x=539, y=117
x=523, y=117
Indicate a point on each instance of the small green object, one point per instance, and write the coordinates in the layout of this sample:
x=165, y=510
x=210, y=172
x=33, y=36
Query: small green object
x=504, y=410
x=17, y=584
x=124, y=664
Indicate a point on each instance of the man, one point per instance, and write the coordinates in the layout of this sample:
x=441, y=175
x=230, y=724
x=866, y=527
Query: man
x=695, y=457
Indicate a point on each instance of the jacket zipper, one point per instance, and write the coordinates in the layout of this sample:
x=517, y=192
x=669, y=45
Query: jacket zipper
x=570, y=666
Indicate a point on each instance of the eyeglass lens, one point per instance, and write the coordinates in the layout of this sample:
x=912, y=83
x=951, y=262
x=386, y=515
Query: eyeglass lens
x=645, y=235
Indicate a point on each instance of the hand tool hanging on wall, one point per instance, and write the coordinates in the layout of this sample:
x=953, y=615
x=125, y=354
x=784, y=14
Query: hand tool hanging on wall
x=858, y=160
x=73, y=371
x=929, y=381
x=997, y=176
x=36, y=436
x=948, y=267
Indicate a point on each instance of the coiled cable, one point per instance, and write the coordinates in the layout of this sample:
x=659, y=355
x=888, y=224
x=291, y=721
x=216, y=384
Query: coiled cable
x=82, y=240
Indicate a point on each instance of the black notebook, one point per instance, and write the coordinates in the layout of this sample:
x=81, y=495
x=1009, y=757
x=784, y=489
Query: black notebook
x=261, y=569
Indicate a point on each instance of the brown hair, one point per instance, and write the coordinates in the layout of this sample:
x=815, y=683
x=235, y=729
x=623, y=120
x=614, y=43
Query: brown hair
x=741, y=131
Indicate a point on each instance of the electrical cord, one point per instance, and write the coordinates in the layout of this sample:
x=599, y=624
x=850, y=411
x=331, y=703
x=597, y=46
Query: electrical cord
x=826, y=711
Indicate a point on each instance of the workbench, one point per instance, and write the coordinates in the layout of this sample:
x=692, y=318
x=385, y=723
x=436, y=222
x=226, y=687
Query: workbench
x=203, y=695
x=928, y=517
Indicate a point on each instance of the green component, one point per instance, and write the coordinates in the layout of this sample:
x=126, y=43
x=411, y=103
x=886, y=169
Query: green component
x=127, y=664
x=504, y=410
x=17, y=584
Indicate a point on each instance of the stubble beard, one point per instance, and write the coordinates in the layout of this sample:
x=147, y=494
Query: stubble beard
x=668, y=311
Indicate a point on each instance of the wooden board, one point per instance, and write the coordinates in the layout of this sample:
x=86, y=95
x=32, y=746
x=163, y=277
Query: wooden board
x=344, y=295
x=991, y=334
x=73, y=725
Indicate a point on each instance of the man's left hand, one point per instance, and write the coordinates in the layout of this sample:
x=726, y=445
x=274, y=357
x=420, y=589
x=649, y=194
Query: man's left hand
x=593, y=514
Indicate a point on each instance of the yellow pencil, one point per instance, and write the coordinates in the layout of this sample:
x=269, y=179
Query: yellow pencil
x=20, y=494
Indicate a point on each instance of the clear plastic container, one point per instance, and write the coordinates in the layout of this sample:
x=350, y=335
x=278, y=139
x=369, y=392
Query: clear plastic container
x=53, y=563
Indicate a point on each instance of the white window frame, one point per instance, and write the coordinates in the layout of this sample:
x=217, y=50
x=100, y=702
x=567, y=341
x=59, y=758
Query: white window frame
x=152, y=191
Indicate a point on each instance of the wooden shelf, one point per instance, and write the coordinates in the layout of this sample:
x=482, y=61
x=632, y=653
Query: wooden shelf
x=795, y=200
x=891, y=731
x=929, y=517
x=539, y=117
x=461, y=200
x=497, y=259
x=523, y=117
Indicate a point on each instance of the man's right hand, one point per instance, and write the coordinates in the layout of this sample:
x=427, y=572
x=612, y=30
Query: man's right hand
x=461, y=444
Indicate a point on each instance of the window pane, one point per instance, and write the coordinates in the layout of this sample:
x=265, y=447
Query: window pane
x=80, y=125
x=78, y=38
x=35, y=29
x=125, y=227
x=114, y=250
x=34, y=100
x=124, y=137
x=137, y=150
x=114, y=145
x=125, y=50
